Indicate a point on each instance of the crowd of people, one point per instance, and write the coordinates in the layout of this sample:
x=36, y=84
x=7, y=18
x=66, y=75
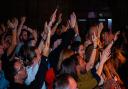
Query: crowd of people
x=59, y=58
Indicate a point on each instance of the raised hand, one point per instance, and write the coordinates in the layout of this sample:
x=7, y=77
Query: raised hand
x=116, y=35
x=23, y=19
x=53, y=18
x=12, y=24
x=45, y=31
x=106, y=54
x=72, y=21
x=100, y=28
x=95, y=40
x=15, y=22
x=47, y=42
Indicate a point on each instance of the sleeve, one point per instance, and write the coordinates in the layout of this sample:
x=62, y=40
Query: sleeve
x=31, y=71
x=40, y=76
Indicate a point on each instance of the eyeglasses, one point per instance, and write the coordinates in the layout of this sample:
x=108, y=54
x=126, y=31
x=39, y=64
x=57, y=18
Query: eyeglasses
x=22, y=67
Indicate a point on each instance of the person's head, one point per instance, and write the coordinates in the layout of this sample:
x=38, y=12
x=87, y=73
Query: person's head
x=17, y=71
x=68, y=66
x=7, y=41
x=24, y=35
x=65, y=53
x=65, y=81
x=27, y=53
x=73, y=66
x=78, y=48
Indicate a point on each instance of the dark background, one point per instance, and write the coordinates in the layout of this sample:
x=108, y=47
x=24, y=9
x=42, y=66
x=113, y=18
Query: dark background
x=38, y=11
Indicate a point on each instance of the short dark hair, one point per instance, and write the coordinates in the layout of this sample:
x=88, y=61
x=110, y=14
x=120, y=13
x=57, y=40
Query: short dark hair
x=75, y=45
x=68, y=66
x=62, y=81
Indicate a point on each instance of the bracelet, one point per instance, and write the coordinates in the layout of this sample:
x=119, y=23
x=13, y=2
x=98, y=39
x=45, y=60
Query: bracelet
x=95, y=47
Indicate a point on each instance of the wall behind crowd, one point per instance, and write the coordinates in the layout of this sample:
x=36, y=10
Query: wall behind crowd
x=38, y=11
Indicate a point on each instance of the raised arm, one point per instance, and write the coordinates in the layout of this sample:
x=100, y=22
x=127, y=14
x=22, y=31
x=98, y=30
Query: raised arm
x=34, y=40
x=13, y=25
x=56, y=25
x=44, y=36
x=20, y=26
x=47, y=42
x=45, y=49
x=99, y=29
x=53, y=18
x=106, y=54
x=72, y=21
x=91, y=62
x=103, y=58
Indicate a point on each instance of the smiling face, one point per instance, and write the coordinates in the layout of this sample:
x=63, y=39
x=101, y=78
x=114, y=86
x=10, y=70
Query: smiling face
x=25, y=35
x=81, y=51
x=21, y=73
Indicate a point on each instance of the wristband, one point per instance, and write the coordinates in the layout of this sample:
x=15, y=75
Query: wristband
x=95, y=47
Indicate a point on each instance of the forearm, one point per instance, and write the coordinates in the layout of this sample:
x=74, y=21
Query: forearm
x=14, y=37
x=40, y=76
x=100, y=68
x=20, y=28
x=14, y=42
x=41, y=45
x=76, y=29
x=90, y=64
x=54, y=29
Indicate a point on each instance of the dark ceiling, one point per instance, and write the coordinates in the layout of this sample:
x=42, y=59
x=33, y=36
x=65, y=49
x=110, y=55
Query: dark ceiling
x=42, y=9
